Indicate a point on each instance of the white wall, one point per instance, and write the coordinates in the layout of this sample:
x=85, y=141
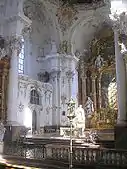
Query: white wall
x=38, y=42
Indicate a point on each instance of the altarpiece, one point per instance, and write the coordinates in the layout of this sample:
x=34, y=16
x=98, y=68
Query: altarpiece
x=97, y=80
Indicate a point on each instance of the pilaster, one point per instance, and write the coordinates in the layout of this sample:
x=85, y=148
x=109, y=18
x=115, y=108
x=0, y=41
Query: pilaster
x=14, y=24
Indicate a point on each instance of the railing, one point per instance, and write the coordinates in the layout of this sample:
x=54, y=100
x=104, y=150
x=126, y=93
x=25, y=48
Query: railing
x=60, y=153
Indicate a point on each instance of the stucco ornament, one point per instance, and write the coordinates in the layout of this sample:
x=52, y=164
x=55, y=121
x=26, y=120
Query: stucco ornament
x=66, y=15
x=16, y=43
x=64, y=47
x=21, y=107
x=13, y=43
x=9, y=45
x=34, y=9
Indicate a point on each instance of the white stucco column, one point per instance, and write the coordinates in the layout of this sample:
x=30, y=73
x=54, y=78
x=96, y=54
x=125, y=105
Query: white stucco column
x=58, y=98
x=54, y=82
x=121, y=81
x=69, y=75
x=12, y=115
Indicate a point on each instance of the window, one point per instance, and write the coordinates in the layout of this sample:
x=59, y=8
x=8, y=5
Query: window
x=21, y=59
x=34, y=97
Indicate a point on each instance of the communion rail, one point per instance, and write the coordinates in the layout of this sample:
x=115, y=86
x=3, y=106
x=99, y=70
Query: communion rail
x=59, y=154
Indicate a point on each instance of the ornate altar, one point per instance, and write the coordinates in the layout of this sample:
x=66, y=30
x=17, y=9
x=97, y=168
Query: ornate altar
x=97, y=80
x=4, y=72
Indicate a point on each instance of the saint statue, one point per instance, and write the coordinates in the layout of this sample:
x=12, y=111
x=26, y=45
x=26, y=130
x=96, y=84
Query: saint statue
x=99, y=62
x=89, y=108
x=79, y=120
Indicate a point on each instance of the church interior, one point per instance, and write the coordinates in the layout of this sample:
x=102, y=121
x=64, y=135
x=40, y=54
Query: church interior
x=63, y=76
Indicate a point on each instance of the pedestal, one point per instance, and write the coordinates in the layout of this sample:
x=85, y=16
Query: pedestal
x=121, y=136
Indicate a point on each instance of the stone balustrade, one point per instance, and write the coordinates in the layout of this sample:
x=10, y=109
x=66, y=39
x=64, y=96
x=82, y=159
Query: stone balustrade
x=81, y=155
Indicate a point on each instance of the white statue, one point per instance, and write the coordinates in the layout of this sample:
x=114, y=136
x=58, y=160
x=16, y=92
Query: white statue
x=79, y=120
x=89, y=108
x=99, y=62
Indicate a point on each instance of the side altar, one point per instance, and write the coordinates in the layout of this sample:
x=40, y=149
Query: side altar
x=97, y=80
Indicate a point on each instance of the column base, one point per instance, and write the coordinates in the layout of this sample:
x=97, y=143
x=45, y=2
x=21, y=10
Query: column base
x=121, y=136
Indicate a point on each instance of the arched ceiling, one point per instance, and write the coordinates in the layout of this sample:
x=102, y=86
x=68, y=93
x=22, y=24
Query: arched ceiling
x=78, y=33
x=84, y=30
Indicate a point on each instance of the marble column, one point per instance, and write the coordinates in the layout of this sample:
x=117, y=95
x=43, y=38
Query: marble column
x=69, y=75
x=13, y=83
x=4, y=81
x=84, y=95
x=93, y=77
x=121, y=81
x=99, y=92
x=58, y=99
x=54, y=108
